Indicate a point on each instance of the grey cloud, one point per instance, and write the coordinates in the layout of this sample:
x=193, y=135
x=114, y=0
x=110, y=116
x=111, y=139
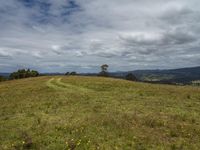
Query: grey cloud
x=3, y=56
x=125, y=34
x=178, y=37
x=177, y=15
x=164, y=38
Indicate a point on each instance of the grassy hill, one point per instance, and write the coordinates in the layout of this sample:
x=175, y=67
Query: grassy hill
x=97, y=113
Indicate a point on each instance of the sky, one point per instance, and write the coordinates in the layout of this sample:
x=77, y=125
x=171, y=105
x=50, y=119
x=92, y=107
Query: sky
x=80, y=35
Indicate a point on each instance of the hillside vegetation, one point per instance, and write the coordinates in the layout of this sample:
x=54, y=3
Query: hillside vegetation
x=57, y=113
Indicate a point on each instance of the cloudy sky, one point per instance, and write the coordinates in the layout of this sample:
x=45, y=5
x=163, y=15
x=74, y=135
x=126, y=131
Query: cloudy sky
x=80, y=35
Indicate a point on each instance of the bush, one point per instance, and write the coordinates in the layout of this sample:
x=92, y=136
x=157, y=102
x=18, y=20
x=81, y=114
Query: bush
x=131, y=77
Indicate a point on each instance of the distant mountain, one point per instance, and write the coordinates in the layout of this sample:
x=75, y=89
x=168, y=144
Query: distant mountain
x=5, y=74
x=171, y=76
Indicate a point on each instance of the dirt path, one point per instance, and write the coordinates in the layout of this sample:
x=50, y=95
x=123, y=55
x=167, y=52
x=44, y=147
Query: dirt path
x=57, y=84
x=51, y=84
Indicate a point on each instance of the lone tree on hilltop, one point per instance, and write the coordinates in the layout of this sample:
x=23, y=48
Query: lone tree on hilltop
x=104, y=70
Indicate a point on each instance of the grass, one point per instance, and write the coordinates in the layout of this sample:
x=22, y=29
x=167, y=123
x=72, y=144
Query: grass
x=50, y=113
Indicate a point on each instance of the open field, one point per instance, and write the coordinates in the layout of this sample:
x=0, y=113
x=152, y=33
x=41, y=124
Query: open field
x=50, y=113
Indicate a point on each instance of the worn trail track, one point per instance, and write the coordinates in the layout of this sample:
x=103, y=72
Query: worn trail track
x=57, y=84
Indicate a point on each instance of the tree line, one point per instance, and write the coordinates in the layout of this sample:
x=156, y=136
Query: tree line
x=71, y=73
x=23, y=73
x=20, y=74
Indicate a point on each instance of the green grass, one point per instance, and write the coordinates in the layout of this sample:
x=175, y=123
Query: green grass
x=57, y=113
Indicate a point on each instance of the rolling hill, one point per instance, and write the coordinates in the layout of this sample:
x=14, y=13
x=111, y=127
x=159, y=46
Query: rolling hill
x=57, y=112
x=170, y=76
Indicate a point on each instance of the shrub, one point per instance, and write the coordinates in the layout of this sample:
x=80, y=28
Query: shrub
x=131, y=77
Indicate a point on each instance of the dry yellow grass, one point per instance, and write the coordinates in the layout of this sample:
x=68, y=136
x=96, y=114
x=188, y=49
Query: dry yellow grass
x=97, y=113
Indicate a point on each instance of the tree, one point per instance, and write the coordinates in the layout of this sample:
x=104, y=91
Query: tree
x=104, y=70
x=131, y=77
x=34, y=73
x=23, y=73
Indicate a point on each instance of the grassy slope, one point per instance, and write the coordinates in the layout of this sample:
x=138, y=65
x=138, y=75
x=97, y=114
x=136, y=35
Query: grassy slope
x=97, y=113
